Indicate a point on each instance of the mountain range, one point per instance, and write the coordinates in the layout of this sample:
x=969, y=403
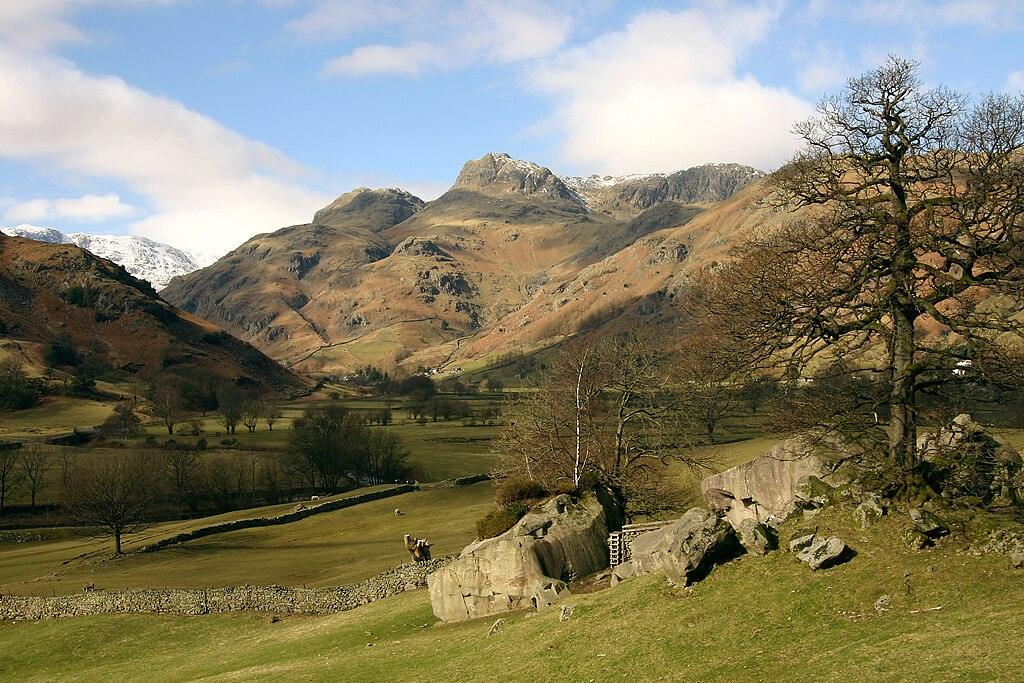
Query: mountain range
x=142, y=257
x=511, y=259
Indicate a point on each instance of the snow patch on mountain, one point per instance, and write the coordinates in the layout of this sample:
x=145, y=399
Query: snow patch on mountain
x=597, y=182
x=140, y=256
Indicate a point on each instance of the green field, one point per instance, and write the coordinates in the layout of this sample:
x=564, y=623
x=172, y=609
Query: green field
x=953, y=617
x=55, y=415
x=331, y=548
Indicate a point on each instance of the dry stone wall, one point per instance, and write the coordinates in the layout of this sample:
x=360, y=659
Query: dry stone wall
x=270, y=599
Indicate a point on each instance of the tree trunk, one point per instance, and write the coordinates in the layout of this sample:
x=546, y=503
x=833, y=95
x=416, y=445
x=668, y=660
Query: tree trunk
x=117, y=541
x=902, y=399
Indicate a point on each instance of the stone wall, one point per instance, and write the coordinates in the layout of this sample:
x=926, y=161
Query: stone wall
x=271, y=599
x=294, y=516
x=459, y=481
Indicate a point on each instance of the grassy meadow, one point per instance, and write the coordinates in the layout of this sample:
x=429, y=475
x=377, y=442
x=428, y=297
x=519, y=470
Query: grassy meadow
x=952, y=618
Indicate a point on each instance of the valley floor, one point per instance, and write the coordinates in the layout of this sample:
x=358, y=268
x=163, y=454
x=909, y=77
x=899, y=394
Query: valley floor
x=953, y=617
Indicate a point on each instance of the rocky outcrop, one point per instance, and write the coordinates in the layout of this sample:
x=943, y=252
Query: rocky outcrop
x=529, y=565
x=374, y=210
x=969, y=463
x=272, y=599
x=684, y=550
x=501, y=175
x=769, y=488
x=823, y=553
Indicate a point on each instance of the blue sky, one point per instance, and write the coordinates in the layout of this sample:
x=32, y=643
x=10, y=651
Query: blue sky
x=202, y=122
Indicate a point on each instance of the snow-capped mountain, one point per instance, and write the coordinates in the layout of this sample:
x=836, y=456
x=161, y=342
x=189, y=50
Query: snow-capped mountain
x=142, y=257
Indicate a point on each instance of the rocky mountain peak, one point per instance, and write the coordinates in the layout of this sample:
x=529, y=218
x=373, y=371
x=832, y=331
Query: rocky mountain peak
x=627, y=195
x=499, y=174
x=376, y=209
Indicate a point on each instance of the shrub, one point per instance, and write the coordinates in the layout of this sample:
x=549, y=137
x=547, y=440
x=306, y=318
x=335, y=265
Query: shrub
x=193, y=427
x=217, y=337
x=516, y=490
x=229, y=442
x=500, y=520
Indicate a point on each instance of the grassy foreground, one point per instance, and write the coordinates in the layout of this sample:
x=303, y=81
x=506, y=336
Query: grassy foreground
x=953, y=617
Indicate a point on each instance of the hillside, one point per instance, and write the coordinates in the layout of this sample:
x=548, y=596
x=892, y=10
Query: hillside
x=115, y=321
x=757, y=619
x=154, y=262
x=381, y=277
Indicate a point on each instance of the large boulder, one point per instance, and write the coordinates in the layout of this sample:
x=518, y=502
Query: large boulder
x=684, y=550
x=969, y=463
x=797, y=472
x=529, y=565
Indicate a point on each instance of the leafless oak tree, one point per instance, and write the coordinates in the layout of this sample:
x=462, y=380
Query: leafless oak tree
x=34, y=464
x=166, y=401
x=113, y=494
x=914, y=206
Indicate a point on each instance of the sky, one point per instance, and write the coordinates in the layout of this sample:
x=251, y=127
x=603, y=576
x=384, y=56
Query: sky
x=203, y=122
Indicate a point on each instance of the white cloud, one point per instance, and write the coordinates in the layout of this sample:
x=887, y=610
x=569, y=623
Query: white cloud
x=825, y=68
x=208, y=187
x=666, y=92
x=37, y=24
x=436, y=36
x=1015, y=81
x=90, y=207
x=402, y=60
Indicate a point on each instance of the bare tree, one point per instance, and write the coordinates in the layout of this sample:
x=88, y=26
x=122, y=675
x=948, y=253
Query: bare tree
x=112, y=493
x=252, y=411
x=34, y=464
x=166, y=402
x=217, y=482
x=181, y=470
x=387, y=458
x=603, y=412
x=10, y=475
x=328, y=442
x=914, y=218
x=122, y=422
x=230, y=402
x=272, y=412
x=709, y=371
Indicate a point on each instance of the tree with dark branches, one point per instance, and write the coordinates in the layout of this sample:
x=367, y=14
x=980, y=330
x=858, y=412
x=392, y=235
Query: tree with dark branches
x=113, y=494
x=912, y=242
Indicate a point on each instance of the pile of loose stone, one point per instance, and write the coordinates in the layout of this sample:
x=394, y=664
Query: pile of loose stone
x=271, y=599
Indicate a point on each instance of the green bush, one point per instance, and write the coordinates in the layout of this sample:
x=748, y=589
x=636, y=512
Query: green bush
x=516, y=490
x=500, y=520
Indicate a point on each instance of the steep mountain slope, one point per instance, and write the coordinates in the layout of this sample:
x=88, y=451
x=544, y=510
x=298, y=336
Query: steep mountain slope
x=142, y=257
x=380, y=277
x=48, y=291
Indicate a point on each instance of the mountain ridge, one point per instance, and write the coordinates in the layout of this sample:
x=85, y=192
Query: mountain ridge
x=379, y=277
